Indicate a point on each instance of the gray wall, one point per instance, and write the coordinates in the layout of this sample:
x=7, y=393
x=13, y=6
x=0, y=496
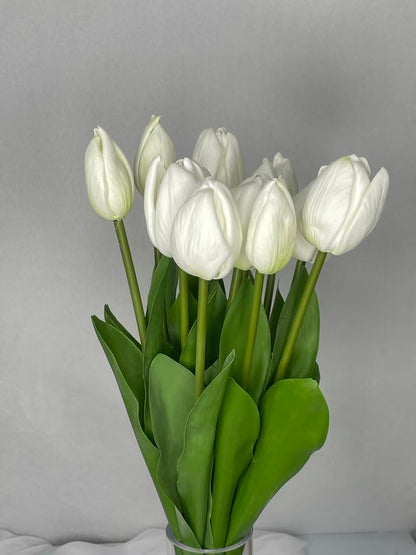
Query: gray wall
x=314, y=79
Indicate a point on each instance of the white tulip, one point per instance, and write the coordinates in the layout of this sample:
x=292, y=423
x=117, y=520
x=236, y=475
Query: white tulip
x=219, y=152
x=342, y=205
x=154, y=142
x=109, y=177
x=244, y=196
x=281, y=168
x=303, y=250
x=206, y=234
x=163, y=199
x=270, y=228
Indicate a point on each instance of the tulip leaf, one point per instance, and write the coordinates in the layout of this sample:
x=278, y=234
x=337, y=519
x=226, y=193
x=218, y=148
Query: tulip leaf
x=303, y=358
x=237, y=432
x=171, y=397
x=174, y=320
x=111, y=319
x=234, y=336
x=217, y=303
x=275, y=314
x=211, y=372
x=195, y=463
x=124, y=356
x=316, y=375
x=163, y=277
x=294, y=424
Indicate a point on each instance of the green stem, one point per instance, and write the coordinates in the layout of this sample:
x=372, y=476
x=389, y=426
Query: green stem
x=131, y=279
x=235, y=285
x=300, y=313
x=201, y=336
x=184, y=305
x=268, y=294
x=252, y=328
x=299, y=265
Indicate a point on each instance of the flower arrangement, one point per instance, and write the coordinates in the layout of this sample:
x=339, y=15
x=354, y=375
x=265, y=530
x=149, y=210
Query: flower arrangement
x=222, y=386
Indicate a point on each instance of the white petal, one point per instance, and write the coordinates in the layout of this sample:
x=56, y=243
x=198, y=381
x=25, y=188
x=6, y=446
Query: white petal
x=284, y=169
x=151, y=191
x=208, y=151
x=367, y=214
x=231, y=168
x=266, y=168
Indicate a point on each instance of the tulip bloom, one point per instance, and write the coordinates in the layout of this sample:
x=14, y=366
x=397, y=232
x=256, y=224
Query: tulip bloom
x=219, y=152
x=163, y=200
x=342, y=205
x=303, y=250
x=206, y=234
x=281, y=168
x=268, y=219
x=109, y=177
x=154, y=142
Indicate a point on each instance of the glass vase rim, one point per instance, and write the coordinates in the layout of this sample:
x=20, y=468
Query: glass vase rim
x=241, y=543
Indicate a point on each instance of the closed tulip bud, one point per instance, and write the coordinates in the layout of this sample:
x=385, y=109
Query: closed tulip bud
x=219, y=152
x=271, y=231
x=342, y=205
x=109, y=177
x=281, y=168
x=154, y=142
x=163, y=200
x=206, y=234
x=303, y=250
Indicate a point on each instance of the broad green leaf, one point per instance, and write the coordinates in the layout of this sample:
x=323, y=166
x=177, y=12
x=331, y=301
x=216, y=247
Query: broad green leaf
x=302, y=362
x=195, y=463
x=237, y=432
x=316, y=375
x=234, y=336
x=294, y=424
x=174, y=320
x=217, y=303
x=211, y=372
x=156, y=327
x=111, y=319
x=275, y=314
x=120, y=352
x=171, y=396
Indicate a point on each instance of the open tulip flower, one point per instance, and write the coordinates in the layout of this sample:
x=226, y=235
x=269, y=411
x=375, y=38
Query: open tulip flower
x=222, y=385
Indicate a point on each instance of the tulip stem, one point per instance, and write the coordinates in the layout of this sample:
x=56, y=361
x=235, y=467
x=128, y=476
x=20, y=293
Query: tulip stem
x=300, y=313
x=131, y=279
x=252, y=328
x=201, y=334
x=235, y=285
x=184, y=305
x=299, y=265
x=268, y=294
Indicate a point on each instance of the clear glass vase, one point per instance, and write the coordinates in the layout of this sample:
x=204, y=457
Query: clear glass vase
x=243, y=547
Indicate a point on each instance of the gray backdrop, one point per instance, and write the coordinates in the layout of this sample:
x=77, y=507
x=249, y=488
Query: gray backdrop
x=313, y=79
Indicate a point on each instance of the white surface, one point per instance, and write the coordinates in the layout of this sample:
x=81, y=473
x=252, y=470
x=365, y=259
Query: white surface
x=150, y=542
x=313, y=79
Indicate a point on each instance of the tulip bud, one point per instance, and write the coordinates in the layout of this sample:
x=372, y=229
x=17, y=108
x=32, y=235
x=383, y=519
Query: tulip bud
x=109, y=177
x=163, y=200
x=206, y=234
x=219, y=152
x=342, y=206
x=271, y=230
x=281, y=168
x=303, y=250
x=154, y=142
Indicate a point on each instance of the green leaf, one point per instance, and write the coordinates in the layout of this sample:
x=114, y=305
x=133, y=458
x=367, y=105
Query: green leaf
x=111, y=319
x=171, y=396
x=211, y=372
x=163, y=277
x=275, y=314
x=195, y=463
x=217, y=303
x=124, y=356
x=316, y=375
x=237, y=432
x=294, y=424
x=234, y=336
x=174, y=320
x=303, y=358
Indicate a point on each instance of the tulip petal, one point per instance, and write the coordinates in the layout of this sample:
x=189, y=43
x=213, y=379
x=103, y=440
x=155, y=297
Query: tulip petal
x=302, y=250
x=285, y=170
x=367, y=214
x=150, y=197
x=208, y=151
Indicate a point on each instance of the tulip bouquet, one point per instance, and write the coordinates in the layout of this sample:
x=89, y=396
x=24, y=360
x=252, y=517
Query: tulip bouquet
x=222, y=384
